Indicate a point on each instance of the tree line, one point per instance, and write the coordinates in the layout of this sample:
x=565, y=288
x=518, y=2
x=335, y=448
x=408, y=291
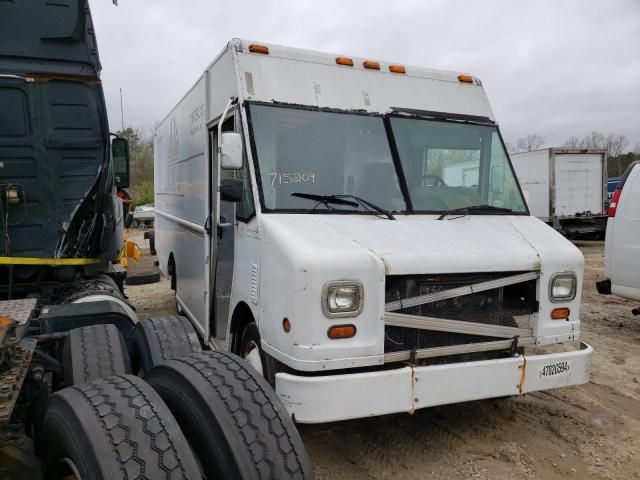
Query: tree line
x=141, y=165
x=615, y=145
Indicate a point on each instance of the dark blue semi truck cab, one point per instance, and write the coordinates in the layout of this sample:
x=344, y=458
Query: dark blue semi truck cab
x=60, y=217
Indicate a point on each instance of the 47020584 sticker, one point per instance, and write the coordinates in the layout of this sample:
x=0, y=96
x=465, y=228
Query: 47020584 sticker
x=554, y=369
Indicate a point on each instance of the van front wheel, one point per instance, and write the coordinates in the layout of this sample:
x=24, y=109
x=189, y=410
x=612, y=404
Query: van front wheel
x=250, y=348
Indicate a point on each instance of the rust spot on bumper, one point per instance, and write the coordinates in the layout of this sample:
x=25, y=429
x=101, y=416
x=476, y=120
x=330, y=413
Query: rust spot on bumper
x=523, y=375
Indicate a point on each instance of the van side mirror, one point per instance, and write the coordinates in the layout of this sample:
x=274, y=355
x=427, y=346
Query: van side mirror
x=231, y=190
x=120, y=155
x=231, y=151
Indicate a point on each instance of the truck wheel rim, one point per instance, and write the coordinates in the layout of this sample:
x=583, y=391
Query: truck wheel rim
x=74, y=475
x=252, y=355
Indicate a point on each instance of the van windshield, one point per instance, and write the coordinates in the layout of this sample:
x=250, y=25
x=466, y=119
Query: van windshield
x=451, y=165
x=445, y=165
x=323, y=153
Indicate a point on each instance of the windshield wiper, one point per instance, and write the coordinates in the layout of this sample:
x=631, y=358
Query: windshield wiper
x=470, y=210
x=341, y=200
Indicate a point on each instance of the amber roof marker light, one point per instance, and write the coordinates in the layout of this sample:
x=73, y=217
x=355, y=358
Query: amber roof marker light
x=464, y=78
x=371, y=65
x=257, y=48
x=346, y=61
x=397, y=69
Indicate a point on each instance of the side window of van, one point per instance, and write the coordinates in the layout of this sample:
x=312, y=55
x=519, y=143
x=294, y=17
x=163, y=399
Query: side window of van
x=245, y=209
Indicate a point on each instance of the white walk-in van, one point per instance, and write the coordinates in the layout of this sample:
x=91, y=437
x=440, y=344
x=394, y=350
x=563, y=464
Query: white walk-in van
x=355, y=230
x=622, y=245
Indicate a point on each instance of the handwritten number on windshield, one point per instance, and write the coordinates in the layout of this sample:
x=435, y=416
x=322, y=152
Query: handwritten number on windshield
x=284, y=178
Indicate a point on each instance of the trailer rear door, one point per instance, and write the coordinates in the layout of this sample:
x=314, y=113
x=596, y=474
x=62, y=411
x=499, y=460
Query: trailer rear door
x=579, y=186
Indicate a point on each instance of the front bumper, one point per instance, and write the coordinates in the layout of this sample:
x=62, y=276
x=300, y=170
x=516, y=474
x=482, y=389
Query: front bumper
x=318, y=399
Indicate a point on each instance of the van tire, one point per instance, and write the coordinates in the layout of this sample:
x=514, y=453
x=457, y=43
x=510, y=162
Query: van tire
x=93, y=352
x=232, y=417
x=163, y=338
x=249, y=341
x=114, y=428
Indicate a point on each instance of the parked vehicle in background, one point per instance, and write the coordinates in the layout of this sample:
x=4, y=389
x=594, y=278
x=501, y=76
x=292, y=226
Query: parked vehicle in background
x=622, y=245
x=565, y=188
x=612, y=184
x=144, y=215
x=354, y=229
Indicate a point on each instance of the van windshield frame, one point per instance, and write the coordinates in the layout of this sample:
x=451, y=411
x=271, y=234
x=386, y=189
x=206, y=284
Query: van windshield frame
x=385, y=140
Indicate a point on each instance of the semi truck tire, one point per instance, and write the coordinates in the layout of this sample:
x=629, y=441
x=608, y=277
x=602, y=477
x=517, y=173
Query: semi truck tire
x=94, y=352
x=113, y=428
x=143, y=278
x=163, y=338
x=231, y=417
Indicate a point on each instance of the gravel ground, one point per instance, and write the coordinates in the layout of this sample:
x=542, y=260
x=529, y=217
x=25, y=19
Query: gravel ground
x=591, y=431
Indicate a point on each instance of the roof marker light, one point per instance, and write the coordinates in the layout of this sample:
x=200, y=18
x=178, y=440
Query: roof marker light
x=346, y=61
x=465, y=78
x=371, y=65
x=397, y=69
x=257, y=48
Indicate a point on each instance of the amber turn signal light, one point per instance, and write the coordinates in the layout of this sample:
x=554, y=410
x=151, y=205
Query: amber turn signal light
x=257, y=48
x=465, y=78
x=560, y=313
x=371, y=65
x=341, y=331
x=397, y=69
x=346, y=61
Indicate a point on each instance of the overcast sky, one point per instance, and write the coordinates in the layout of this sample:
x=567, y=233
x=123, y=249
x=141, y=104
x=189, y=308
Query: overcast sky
x=556, y=68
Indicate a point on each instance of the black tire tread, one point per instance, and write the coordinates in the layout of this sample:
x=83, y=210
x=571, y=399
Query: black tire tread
x=168, y=337
x=267, y=432
x=93, y=352
x=139, y=433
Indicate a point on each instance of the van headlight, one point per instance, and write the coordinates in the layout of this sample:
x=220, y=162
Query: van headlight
x=342, y=299
x=563, y=287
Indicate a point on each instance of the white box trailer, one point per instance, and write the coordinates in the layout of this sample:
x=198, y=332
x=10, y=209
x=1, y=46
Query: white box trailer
x=565, y=187
x=311, y=218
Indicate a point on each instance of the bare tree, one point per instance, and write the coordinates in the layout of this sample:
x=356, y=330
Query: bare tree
x=572, y=142
x=511, y=149
x=616, y=144
x=636, y=151
x=593, y=140
x=530, y=143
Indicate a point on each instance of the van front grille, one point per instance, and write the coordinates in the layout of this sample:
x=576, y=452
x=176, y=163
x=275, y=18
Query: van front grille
x=498, y=306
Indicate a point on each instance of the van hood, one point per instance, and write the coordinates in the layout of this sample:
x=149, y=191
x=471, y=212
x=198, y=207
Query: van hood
x=420, y=244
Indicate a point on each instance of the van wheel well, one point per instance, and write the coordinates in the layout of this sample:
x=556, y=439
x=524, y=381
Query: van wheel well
x=242, y=316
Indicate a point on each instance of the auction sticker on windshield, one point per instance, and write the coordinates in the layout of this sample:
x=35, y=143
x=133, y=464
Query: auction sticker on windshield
x=554, y=369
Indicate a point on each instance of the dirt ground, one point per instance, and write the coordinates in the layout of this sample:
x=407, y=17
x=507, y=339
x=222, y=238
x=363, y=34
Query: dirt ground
x=591, y=431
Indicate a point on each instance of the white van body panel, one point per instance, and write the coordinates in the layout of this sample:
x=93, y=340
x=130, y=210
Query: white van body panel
x=315, y=79
x=622, y=246
x=281, y=262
